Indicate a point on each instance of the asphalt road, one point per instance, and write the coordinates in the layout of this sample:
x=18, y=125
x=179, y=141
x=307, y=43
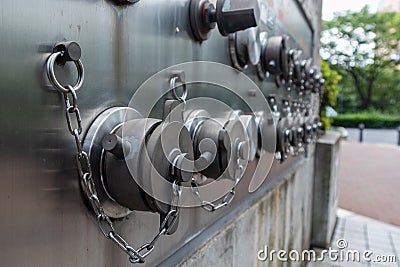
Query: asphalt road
x=377, y=136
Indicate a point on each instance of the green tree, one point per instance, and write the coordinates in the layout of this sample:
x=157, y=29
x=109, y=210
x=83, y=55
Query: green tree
x=387, y=95
x=362, y=46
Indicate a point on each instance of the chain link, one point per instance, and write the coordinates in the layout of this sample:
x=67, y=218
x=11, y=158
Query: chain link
x=74, y=123
x=227, y=198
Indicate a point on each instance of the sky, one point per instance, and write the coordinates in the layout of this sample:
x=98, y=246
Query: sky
x=331, y=6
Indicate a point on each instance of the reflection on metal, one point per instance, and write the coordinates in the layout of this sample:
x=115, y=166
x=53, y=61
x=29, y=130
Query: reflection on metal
x=110, y=173
x=245, y=48
x=135, y=42
x=107, y=122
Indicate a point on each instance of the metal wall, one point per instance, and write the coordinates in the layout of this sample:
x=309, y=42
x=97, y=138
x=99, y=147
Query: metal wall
x=44, y=220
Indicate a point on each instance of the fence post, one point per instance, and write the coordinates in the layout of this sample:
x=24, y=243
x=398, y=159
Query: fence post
x=361, y=127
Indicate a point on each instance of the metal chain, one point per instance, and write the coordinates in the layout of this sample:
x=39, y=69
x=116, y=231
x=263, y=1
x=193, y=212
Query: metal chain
x=227, y=198
x=85, y=172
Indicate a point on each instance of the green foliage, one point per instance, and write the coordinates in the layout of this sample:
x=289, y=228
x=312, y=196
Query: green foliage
x=360, y=46
x=332, y=78
x=370, y=119
x=387, y=94
x=326, y=121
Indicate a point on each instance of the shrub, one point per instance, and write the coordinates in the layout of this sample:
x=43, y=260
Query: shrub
x=370, y=120
x=331, y=91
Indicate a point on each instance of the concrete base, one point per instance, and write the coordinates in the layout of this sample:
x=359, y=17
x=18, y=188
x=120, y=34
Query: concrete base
x=325, y=201
x=281, y=219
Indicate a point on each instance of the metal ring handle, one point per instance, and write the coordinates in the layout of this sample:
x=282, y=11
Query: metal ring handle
x=52, y=77
x=172, y=85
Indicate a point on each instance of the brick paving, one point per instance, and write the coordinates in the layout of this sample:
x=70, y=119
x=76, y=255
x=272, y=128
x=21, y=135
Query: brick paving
x=369, y=180
x=364, y=234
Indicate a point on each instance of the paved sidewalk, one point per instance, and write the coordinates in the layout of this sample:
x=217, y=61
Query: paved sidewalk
x=369, y=180
x=360, y=233
x=378, y=136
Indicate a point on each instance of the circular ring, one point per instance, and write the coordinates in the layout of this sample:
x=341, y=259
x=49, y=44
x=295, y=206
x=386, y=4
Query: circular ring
x=172, y=85
x=52, y=77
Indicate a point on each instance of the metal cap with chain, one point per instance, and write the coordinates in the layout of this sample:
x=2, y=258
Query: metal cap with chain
x=221, y=148
x=106, y=159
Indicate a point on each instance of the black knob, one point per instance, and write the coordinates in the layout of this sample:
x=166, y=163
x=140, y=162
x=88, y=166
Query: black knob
x=293, y=137
x=71, y=51
x=204, y=16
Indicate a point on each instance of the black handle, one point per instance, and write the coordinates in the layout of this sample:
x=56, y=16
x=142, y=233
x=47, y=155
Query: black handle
x=71, y=52
x=231, y=21
x=204, y=15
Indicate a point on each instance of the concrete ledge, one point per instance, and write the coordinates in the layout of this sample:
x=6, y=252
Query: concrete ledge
x=325, y=200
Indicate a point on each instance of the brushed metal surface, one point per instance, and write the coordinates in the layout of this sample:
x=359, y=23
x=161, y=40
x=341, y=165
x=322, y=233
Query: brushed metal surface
x=44, y=220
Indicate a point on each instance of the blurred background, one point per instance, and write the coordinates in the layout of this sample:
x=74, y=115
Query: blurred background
x=360, y=51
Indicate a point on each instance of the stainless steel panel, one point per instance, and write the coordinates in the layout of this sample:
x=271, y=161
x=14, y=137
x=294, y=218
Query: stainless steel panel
x=44, y=220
